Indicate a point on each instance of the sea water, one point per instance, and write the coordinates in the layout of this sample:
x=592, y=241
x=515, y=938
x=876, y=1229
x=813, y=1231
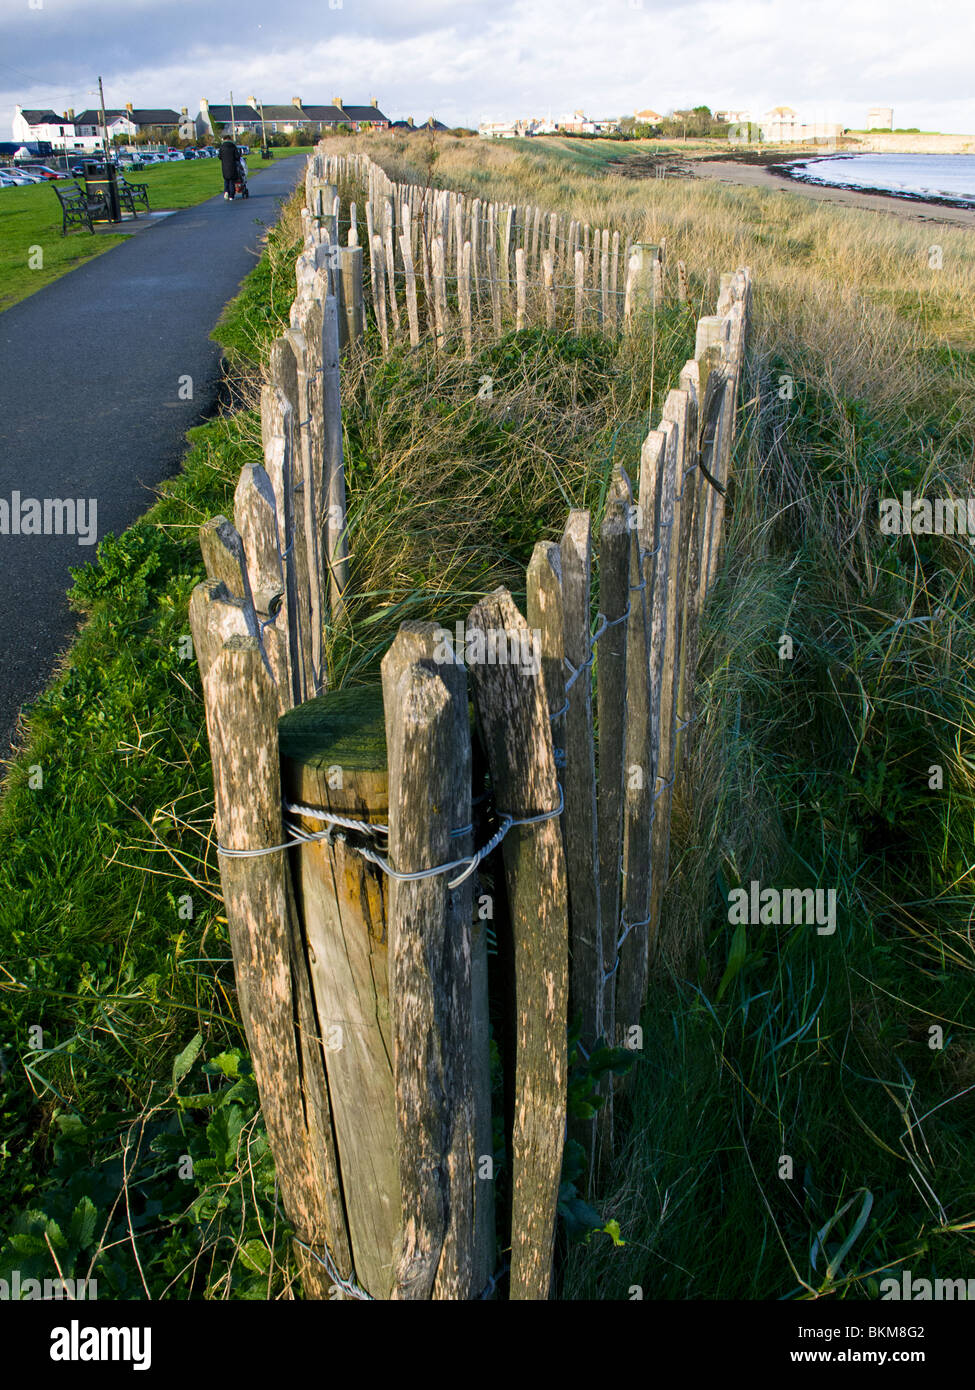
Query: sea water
x=923, y=175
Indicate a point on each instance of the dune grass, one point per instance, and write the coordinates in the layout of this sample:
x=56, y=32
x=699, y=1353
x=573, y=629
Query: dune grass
x=760, y=1045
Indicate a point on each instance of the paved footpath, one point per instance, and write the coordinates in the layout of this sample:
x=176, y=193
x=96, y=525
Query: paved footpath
x=90, y=372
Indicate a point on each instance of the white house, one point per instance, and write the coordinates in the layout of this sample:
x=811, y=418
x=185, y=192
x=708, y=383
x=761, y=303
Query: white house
x=83, y=132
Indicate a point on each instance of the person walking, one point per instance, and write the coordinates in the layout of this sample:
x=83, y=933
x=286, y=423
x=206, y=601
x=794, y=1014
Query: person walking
x=229, y=161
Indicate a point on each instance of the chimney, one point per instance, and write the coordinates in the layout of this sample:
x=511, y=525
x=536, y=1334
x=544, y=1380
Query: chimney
x=374, y=101
x=252, y=101
x=296, y=101
x=128, y=107
x=409, y=120
x=204, y=104
x=183, y=111
x=69, y=114
x=336, y=101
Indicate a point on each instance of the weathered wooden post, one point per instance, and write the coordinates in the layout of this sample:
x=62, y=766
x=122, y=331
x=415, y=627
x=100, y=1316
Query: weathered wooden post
x=521, y=281
x=514, y=720
x=435, y=1025
x=642, y=282
x=333, y=752
x=273, y=986
x=352, y=315
x=580, y=780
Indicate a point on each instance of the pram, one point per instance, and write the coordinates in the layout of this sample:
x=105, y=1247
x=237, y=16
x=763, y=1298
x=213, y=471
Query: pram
x=240, y=186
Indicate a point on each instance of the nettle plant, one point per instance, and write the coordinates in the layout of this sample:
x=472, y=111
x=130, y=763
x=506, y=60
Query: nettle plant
x=580, y=1220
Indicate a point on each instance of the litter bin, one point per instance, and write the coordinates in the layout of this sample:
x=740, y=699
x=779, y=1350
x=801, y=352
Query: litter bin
x=102, y=178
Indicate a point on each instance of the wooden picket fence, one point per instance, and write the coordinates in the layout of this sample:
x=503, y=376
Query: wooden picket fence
x=371, y=839
x=437, y=256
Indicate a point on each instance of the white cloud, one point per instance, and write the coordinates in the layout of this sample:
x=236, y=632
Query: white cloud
x=466, y=59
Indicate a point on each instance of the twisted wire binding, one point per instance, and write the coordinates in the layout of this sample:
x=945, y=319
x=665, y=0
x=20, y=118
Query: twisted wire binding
x=349, y=1286
x=507, y=822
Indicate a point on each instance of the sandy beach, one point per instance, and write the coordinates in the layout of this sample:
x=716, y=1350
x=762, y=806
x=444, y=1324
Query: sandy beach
x=761, y=176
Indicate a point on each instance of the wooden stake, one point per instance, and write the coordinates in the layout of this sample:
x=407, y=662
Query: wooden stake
x=412, y=310
x=333, y=758
x=522, y=289
x=273, y=989
x=428, y=737
x=514, y=718
x=580, y=818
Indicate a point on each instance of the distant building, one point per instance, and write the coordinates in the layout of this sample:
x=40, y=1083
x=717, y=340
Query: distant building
x=647, y=117
x=783, y=126
x=509, y=130
x=880, y=118
x=733, y=117
x=277, y=119
x=85, y=132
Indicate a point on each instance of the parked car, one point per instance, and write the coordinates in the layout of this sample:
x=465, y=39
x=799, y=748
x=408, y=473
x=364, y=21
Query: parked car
x=44, y=171
x=19, y=176
x=6, y=182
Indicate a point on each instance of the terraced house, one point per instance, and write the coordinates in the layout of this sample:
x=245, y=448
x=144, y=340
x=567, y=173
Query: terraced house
x=252, y=114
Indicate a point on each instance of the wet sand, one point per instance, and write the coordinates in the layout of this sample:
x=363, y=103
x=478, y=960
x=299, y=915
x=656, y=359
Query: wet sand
x=761, y=176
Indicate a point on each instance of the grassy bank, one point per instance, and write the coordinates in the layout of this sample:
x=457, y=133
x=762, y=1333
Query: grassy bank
x=760, y=1043
x=30, y=222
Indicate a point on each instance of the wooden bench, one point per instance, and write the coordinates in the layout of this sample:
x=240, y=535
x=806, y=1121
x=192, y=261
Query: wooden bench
x=78, y=207
x=131, y=193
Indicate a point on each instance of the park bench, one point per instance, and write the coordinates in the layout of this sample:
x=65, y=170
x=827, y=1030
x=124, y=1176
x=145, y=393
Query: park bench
x=132, y=193
x=78, y=207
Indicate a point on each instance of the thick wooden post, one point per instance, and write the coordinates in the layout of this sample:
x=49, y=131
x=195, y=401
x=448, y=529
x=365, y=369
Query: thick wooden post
x=580, y=285
x=351, y=318
x=548, y=281
x=439, y=291
x=431, y=1000
x=412, y=310
x=273, y=989
x=377, y=259
x=521, y=280
x=514, y=719
x=495, y=288
x=464, y=297
x=333, y=753
x=580, y=781
x=334, y=521
x=642, y=740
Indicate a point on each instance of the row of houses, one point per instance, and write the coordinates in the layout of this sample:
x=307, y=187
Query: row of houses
x=576, y=124
x=781, y=125
x=82, y=131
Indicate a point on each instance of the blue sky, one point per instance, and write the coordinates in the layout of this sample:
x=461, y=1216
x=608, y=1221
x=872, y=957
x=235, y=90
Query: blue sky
x=466, y=60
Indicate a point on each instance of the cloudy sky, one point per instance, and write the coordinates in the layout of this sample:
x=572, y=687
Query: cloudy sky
x=467, y=60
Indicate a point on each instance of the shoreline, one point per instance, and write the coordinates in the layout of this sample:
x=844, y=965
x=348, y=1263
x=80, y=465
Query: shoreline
x=791, y=172
x=775, y=175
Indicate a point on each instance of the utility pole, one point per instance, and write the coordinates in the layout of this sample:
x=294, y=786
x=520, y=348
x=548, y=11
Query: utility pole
x=101, y=96
x=233, y=123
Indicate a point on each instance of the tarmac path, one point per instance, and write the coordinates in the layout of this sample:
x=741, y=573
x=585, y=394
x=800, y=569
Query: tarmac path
x=92, y=368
